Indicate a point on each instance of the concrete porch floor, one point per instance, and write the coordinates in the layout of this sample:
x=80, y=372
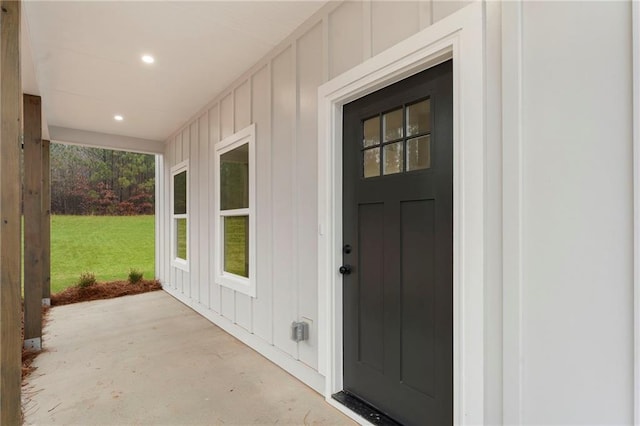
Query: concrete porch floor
x=148, y=359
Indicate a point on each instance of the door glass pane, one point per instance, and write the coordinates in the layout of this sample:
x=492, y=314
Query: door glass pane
x=392, y=125
x=180, y=193
x=419, y=118
x=371, y=161
x=234, y=178
x=419, y=153
x=236, y=245
x=181, y=238
x=393, y=158
x=371, y=131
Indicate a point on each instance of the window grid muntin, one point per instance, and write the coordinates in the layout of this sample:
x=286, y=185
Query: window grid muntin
x=176, y=261
x=236, y=212
x=239, y=283
x=404, y=139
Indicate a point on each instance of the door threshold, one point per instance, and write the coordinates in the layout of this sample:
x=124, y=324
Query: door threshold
x=363, y=409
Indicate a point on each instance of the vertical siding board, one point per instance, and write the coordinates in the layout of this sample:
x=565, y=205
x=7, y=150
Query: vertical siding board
x=441, y=9
x=325, y=49
x=166, y=211
x=227, y=296
x=242, y=118
x=226, y=116
x=178, y=151
x=310, y=76
x=294, y=194
x=163, y=207
x=242, y=106
x=393, y=22
x=203, y=210
x=194, y=213
x=214, y=137
x=183, y=278
x=367, y=29
x=283, y=114
x=174, y=151
x=186, y=142
x=159, y=218
x=261, y=106
x=425, y=13
x=346, y=45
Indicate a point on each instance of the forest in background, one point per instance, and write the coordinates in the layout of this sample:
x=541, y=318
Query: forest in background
x=93, y=181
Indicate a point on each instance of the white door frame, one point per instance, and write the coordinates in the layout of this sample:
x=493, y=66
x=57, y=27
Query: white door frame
x=459, y=37
x=635, y=53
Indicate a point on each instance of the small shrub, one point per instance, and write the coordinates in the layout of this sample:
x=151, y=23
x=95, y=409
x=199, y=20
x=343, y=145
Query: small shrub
x=87, y=279
x=135, y=276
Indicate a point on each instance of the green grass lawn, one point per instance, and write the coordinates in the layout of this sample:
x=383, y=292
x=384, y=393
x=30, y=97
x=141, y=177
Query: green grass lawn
x=108, y=246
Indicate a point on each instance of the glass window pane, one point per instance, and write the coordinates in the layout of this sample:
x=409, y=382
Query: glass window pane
x=419, y=153
x=181, y=238
x=392, y=125
x=236, y=245
x=180, y=193
x=392, y=158
x=234, y=178
x=371, y=130
x=371, y=161
x=419, y=118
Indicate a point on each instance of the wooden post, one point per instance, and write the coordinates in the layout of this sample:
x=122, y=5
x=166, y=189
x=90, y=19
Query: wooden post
x=46, y=224
x=32, y=222
x=10, y=128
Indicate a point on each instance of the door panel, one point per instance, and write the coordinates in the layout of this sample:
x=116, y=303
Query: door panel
x=398, y=220
x=370, y=346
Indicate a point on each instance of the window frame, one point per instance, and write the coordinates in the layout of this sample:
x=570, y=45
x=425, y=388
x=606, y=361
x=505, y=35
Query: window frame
x=176, y=261
x=245, y=285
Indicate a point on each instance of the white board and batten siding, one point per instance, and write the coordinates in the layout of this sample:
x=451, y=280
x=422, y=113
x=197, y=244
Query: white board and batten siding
x=279, y=95
x=559, y=255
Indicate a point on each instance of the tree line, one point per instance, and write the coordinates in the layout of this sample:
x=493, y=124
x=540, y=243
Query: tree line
x=93, y=181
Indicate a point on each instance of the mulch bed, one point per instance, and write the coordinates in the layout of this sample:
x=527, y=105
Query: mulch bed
x=98, y=291
x=107, y=290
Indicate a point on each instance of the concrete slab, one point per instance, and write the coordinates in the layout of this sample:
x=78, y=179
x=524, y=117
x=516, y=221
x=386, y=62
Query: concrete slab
x=148, y=359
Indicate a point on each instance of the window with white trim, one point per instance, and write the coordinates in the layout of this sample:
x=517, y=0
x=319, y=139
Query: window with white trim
x=180, y=216
x=235, y=211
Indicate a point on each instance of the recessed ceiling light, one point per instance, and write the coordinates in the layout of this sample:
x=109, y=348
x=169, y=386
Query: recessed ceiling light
x=118, y=117
x=148, y=59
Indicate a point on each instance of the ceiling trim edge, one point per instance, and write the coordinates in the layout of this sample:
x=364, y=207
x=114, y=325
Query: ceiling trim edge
x=105, y=140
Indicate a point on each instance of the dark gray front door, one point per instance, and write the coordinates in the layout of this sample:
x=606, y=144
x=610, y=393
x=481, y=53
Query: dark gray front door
x=398, y=241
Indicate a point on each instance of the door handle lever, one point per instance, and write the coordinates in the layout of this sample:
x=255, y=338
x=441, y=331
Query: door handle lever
x=345, y=269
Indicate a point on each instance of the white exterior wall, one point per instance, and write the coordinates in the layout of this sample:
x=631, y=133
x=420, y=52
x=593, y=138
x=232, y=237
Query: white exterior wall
x=559, y=225
x=577, y=291
x=279, y=94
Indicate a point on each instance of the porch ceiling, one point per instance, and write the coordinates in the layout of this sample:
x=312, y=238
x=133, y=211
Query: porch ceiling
x=84, y=58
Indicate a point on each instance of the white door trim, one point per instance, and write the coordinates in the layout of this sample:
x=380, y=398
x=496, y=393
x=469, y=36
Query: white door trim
x=512, y=212
x=635, y=49
x=460, y=37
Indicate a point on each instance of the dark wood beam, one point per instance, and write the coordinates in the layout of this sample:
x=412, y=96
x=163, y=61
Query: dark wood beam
x=46, y=223
x=32, y=221
x=10, y=226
